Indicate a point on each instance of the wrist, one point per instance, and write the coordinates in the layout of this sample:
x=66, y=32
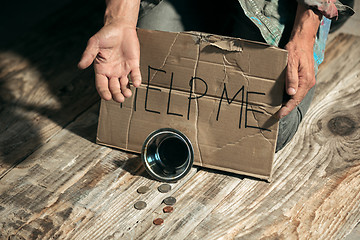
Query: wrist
x=124, y=12
x=119, y=23
x=306, y=25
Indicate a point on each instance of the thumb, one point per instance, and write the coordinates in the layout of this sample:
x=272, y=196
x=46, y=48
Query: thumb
x=292, y=77
x=89, y=54
x=135, y=76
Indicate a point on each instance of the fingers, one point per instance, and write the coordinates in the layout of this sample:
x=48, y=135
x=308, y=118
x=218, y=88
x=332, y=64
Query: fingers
x=304, y=78
x=114, y=87
x=292, y=76
x=120, y=89
x=102, y=86
x=125, y=87
x=136, y=77
x=89, y=54
x=294, y=101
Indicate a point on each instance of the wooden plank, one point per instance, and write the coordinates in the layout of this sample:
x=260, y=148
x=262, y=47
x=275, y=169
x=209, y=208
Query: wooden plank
x=195, y=200
x=37, y=182
x=41, y=89
x=355, y=233
x=344, y=49
x=73, y=188
x=315, y=193
x=254, y=209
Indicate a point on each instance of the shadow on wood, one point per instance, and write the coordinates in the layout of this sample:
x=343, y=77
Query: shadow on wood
x=41, y=89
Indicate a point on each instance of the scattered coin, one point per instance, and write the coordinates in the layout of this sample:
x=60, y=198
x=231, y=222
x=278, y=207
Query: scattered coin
x=168, y=209
x=164, y=188
x=143, y=189
x=170, y=201
x=158, y=221
x=140, y=205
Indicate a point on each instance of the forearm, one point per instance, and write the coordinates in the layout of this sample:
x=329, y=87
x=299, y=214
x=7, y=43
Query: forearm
x=125, y=11
x=300, y=75
x=306, y=25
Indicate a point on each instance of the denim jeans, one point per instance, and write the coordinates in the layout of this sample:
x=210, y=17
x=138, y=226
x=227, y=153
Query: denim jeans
x=225, y=17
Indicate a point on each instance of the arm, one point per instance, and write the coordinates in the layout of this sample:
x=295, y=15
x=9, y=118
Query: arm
x=115, y=51
x=300, y=75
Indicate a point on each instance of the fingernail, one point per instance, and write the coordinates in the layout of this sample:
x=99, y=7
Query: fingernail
x=291, y=91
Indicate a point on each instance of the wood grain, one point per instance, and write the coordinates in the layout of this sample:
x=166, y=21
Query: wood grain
x=64, y=186
x=41, y=89
x=73, y=188
x=195, y=200
x=315, y=193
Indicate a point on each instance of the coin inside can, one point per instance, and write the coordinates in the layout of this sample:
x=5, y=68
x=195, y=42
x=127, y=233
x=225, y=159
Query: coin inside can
x=168, y=209
x=164, y=188
x=140, y=205
x=170, y=201
x=143, y=189
x=158, y=221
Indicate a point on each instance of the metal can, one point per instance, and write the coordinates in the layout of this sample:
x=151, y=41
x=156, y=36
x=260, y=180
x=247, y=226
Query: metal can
x=167, y=154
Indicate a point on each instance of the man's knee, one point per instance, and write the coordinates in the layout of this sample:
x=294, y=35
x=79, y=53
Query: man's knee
x=289, y=124
x=162, y=17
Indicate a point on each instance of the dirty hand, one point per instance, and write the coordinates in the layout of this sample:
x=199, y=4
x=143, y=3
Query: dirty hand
x=115, y=52
x=300, y=73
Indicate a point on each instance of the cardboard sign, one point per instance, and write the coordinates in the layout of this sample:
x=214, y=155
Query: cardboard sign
x=221, y=92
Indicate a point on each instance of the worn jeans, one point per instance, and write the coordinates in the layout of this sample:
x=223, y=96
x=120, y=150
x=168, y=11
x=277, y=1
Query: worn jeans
x=225, y=17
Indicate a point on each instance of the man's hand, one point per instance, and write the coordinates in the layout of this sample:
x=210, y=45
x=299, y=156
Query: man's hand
x=115, y=52
x=300, y=75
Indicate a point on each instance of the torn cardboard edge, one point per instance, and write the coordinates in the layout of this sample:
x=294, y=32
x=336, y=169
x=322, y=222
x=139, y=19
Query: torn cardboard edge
x=223, y=42
x=231, y=142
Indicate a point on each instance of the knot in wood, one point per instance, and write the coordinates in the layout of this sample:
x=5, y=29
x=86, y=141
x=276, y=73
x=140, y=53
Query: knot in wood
x=342, y=126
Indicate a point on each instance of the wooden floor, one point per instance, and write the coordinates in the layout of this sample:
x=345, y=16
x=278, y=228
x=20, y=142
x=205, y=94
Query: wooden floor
x=56, y=183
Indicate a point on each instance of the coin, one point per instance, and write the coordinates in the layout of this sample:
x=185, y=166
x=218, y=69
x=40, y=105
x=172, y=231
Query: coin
x=143, y=189
x=158, y=221
x=168, y=209
x=164, y=188
x=170, y=201
x=140, y=205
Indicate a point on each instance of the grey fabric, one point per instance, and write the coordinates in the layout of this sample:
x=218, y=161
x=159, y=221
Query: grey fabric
x=290, y=123
x=226, y=18
x=162, y=17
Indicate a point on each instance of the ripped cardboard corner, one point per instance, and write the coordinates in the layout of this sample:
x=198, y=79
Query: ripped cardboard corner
x=221, y=92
